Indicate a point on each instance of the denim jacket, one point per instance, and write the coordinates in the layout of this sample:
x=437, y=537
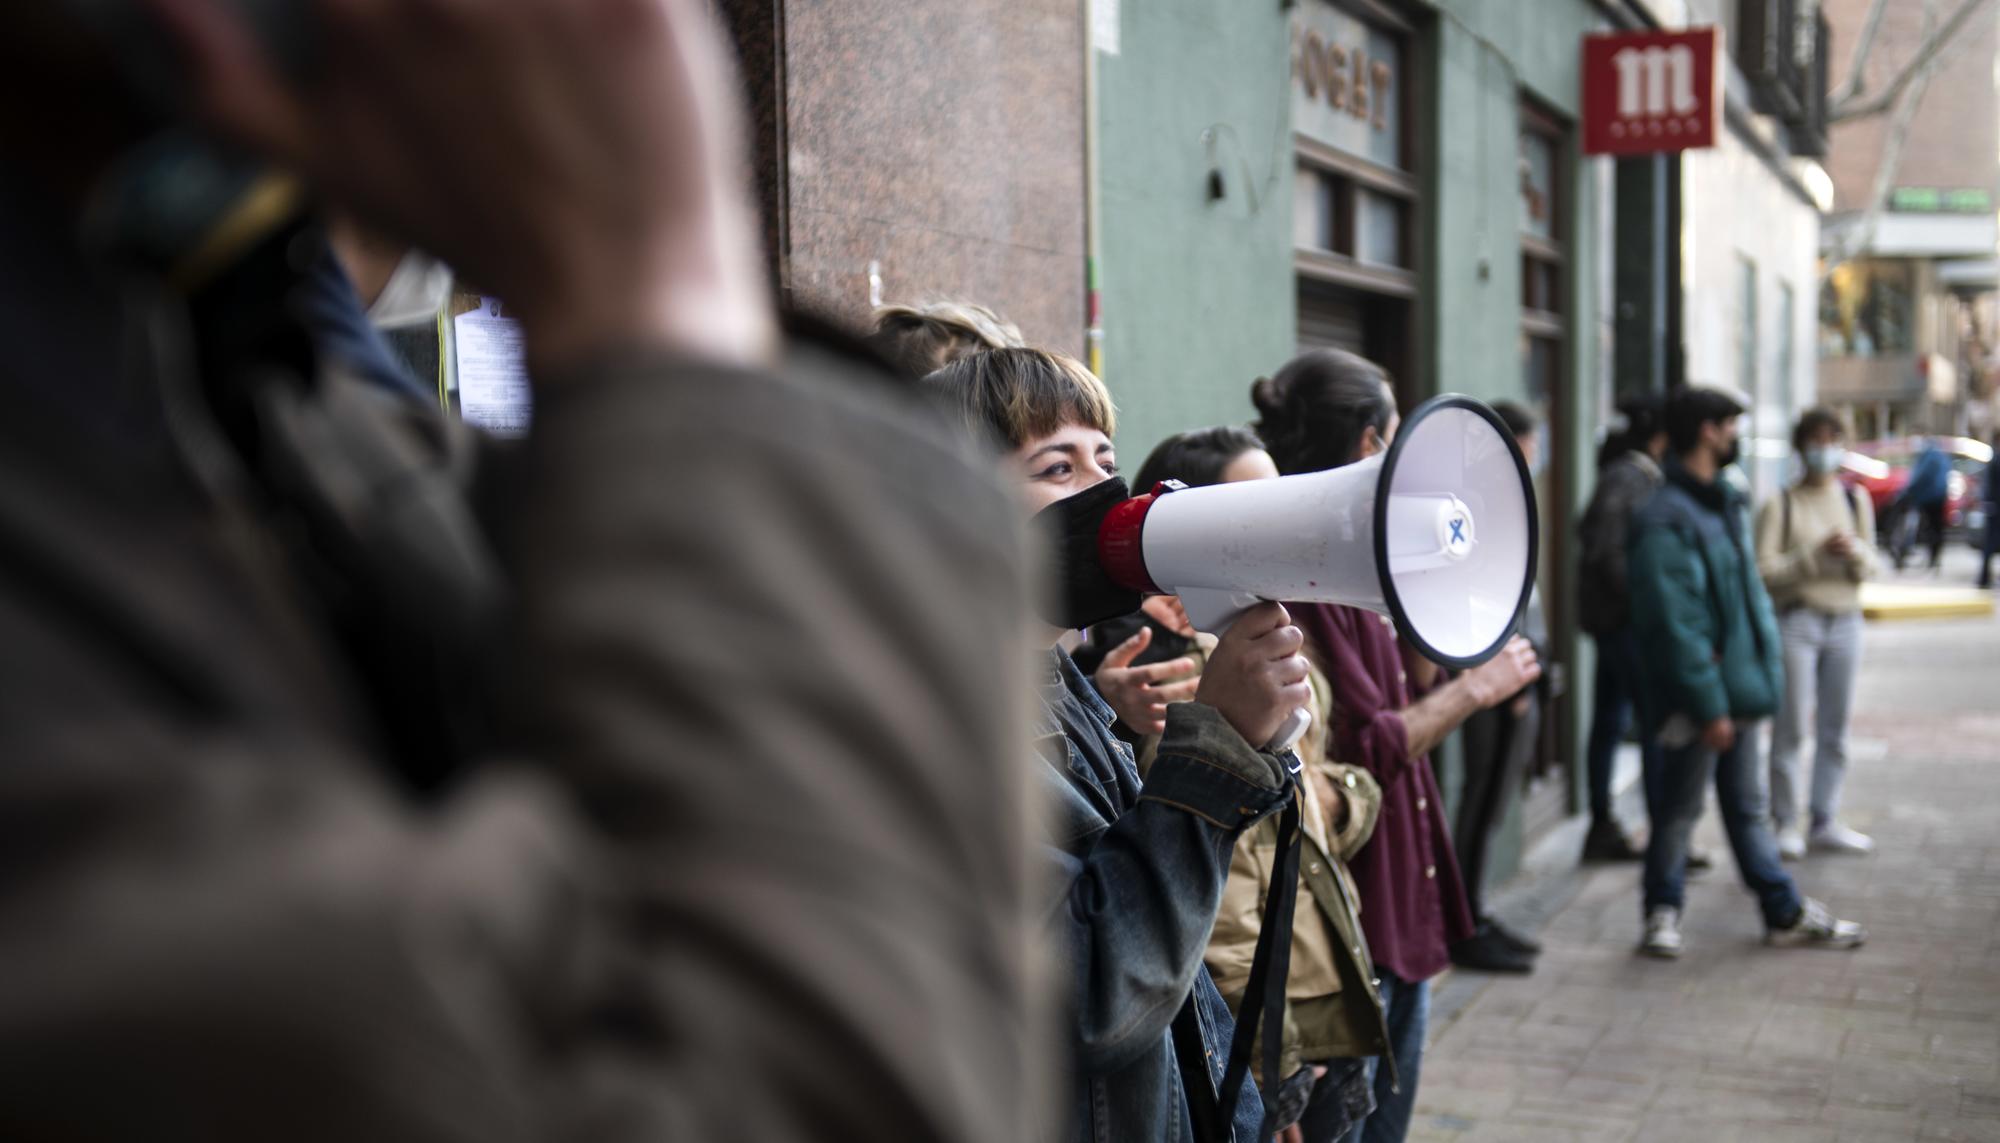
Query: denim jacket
x=1138, y=877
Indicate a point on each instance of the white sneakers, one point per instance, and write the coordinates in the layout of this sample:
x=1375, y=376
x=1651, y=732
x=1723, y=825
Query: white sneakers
x=1837, y=838
x=1791, y=843
x=1817, y=927
x=1663, y=933
x=1833, y=837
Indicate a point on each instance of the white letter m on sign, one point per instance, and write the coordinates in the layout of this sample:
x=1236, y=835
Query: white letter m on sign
x=1655, y=81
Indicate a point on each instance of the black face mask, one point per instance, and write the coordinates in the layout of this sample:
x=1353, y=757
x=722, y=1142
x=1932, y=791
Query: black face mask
x=1734, y=454
x=1082, y=593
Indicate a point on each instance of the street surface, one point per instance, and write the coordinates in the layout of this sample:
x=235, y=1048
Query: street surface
x=1899, y=1040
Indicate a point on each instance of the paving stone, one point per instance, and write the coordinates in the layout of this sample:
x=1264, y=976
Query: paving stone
x=1899, y=1040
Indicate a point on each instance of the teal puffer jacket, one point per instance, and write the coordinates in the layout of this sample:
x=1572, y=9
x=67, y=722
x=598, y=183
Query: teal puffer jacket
x=1708, y=638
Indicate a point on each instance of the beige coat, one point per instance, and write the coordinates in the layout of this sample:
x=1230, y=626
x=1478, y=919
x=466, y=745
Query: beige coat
x=1332, y=1008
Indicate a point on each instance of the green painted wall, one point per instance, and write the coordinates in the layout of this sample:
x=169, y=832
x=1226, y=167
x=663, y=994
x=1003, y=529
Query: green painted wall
x=1197, y=293
x=1486, y=56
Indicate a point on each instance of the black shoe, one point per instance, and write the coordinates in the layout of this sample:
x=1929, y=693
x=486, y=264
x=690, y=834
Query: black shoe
x=1510, y=938
x=1699, y=860
x=1485, y=952
x=1606, y=842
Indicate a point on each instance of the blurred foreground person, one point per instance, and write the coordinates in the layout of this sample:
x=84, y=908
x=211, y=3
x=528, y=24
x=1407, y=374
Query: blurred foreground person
x=1713, y=669
x=1136, y=870
x=1815, y=547
x=662, y=783
x=1390, y=709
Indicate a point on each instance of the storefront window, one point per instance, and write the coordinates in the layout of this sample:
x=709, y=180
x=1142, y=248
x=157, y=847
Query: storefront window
x=1378, y=238
x=1538, y=184
x=1865, y=311
x=1356, y=192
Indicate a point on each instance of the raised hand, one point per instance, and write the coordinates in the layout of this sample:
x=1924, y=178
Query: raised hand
x=1140, y=695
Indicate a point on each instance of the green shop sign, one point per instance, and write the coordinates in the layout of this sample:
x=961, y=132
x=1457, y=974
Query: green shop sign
x=1941, y=200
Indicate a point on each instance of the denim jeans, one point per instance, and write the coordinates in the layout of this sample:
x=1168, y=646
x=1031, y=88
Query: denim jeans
x=1822, y=660
x=1739, y=789
x=1407, y=1008
x=1611, y=712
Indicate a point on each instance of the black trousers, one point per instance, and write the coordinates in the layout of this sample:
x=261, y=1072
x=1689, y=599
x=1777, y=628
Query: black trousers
x=1498, y=747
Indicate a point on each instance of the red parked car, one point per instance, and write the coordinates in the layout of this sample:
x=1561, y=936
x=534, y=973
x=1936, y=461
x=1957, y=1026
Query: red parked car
x=1882, y=468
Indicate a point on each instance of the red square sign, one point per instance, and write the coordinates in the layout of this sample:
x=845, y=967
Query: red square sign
x=1648, y=92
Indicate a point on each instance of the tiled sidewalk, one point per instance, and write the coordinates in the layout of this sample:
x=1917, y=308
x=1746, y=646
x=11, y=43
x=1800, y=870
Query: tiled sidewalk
x=1897, y=1041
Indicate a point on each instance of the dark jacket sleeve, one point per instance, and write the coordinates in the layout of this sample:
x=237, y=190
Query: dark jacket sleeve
x=772, y=637
x=1621, y=489
x=1135, y=905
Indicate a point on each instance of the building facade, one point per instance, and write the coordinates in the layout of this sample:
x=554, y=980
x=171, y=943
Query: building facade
x=910, y=151
x=1405, y=180
x=1194, y=192
x=1905, y=316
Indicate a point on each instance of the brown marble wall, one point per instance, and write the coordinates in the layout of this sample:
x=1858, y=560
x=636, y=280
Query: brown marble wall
x=943, y=141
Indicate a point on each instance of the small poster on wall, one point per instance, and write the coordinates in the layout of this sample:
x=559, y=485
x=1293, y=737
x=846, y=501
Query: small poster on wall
x=492, y=370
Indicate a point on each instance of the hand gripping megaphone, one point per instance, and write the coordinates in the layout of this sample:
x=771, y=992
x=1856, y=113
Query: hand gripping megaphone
x=1439, y=532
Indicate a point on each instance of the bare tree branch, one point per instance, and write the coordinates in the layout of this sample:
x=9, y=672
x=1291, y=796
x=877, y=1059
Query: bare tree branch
x=1854, y=108
x=1857, y=240
x=1857, y=62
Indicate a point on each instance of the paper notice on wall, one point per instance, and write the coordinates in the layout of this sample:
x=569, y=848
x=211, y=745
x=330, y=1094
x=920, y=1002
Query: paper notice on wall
x=1104, y=26
x=492, y=370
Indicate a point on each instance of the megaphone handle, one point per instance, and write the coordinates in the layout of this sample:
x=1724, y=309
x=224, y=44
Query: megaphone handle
x=1290, y=731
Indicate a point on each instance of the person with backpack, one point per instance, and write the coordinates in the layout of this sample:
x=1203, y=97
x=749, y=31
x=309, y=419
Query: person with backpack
x=1925, y=495
x=1815, y=547
x=1712, y=669
x=1628, y=475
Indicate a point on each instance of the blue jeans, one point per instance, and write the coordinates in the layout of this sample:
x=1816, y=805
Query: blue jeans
x=1611, y=712
x=1739, y=790
x=1407, y=1008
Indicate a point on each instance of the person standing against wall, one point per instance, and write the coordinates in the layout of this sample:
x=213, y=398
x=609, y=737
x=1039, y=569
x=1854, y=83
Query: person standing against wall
x=1324, y=409
x=1500, y=744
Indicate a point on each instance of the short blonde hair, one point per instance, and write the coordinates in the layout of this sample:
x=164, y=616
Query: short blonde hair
x=1020, y=394
x=919, y=340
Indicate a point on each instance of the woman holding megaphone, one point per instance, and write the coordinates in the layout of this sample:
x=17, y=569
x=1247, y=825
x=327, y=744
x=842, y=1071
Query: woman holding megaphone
x=1139, y=868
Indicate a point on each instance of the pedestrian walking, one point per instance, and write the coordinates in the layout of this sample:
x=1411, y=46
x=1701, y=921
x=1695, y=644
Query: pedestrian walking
x=1918, y=513
x=1815, y=547
x=1711, y=672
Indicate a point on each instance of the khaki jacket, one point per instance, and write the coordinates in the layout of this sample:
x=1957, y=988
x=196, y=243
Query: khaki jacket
x=1332, y=1009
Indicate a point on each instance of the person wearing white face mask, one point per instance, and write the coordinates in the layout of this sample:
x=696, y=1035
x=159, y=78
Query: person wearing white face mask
x=1815, y=546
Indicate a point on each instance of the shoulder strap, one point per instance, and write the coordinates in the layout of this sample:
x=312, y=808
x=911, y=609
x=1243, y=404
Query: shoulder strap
x=1785, y=499
x=1262, y=1006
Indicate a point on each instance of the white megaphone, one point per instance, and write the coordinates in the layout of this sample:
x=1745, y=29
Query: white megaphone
x=1438, y=532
